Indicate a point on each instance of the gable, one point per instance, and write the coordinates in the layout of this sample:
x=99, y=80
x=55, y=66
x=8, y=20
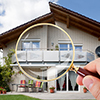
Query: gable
x=58, y=13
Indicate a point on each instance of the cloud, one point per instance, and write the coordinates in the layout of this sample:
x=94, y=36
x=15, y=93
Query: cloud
x=17, y=12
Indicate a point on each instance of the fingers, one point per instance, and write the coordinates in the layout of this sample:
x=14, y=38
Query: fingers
x=79, y=80
x=93, y=85
x=94, y=66
x=90, y=82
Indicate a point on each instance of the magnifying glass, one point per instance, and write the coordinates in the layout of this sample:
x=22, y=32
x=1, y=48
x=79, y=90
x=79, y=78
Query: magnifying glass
x=41, y=58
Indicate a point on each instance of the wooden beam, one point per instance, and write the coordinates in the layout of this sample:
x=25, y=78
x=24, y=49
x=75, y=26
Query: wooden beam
x=63, y=21
x=85, y=23
x=67, y=21
x=58, y=12
x=99, y=39
x=10, y=37
x=3, y=45
x=86, y=29
x=51, y=19
x=60, y=18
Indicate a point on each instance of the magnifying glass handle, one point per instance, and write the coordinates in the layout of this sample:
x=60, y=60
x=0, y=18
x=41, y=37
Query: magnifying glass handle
x=82, y=72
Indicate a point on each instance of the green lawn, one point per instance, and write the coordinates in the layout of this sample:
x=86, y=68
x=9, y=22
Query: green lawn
x=23, y=97
x=16, y=97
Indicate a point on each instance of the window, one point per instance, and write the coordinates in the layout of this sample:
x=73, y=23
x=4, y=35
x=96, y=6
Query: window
x=25, y=45
x=70, y=47
x=78, y=48
x=30, y=45
x=65, y=47
x=35, y=45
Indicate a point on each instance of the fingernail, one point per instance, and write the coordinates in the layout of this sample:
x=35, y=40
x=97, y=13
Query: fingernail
x=88, y=82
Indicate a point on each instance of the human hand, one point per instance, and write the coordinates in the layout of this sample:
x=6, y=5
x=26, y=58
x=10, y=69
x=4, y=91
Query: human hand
x=90, y=82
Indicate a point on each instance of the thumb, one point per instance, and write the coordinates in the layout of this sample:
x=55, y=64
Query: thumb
x=93, y=85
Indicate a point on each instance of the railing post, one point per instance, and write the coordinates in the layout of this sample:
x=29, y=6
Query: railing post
x=42, y=56
x=59, y=56
x=26, y=57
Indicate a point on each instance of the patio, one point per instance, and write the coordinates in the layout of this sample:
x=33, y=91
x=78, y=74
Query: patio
x=55, y=96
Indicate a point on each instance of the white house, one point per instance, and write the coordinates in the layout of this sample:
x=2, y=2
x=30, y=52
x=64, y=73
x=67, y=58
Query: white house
x=84, y=32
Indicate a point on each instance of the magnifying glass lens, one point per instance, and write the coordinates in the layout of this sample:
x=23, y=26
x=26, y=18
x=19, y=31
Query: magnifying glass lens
x=44, y=52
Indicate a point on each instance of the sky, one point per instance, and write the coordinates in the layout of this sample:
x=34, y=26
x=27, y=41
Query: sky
x=16, y=12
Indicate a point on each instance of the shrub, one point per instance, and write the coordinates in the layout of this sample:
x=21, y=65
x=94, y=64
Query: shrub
x=1, y=89
x=6, y=71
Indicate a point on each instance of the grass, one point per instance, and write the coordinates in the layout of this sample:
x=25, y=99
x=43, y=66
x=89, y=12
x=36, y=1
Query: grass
x=23, y=97
x=16, y=97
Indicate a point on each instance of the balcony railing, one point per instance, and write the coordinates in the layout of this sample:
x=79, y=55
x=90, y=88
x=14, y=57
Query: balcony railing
x=53, y=56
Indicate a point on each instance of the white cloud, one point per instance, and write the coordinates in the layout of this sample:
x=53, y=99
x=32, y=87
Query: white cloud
x=20, y=11
x=54, y=1
x=1, y=9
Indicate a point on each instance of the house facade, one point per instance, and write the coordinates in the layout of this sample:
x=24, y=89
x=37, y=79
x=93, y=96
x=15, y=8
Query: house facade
x=45, y=47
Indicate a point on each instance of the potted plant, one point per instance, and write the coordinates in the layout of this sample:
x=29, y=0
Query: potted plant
x=84, y=89
x=56, y=47
x=1, y=90
x=20, y=72
x=38, y=77
x=52, y=89
x=4, y=91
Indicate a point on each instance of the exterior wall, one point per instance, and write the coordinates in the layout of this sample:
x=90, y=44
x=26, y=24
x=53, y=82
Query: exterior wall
x=9, y=46
x=54, y=35
x=16, y=79
x=79, y=37
x=89, y=42
x=36, y=33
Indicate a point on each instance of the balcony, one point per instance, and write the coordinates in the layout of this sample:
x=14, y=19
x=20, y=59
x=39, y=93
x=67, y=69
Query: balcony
x=43, y=56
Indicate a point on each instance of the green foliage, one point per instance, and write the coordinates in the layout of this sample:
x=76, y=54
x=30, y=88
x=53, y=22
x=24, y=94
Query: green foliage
x=38, y=77
x=1, y=89
x=85, y=88
x=6, y=71
x=52, y=87
x=56, y=47
x=20, y=72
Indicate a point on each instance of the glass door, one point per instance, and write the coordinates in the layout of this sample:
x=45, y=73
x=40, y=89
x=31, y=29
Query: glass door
x=72, y=85
x=67, y=82
x=61, y=83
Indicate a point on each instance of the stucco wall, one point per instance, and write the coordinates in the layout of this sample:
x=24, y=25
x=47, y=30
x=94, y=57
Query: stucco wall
x=79, y=37
x=36, y=33
x=9, y=46
x=48, y=35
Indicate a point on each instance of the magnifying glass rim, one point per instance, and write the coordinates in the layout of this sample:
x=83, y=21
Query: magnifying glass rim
x=39, y=24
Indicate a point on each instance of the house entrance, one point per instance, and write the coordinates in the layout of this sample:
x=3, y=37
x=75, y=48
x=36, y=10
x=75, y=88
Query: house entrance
x=67, y=82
